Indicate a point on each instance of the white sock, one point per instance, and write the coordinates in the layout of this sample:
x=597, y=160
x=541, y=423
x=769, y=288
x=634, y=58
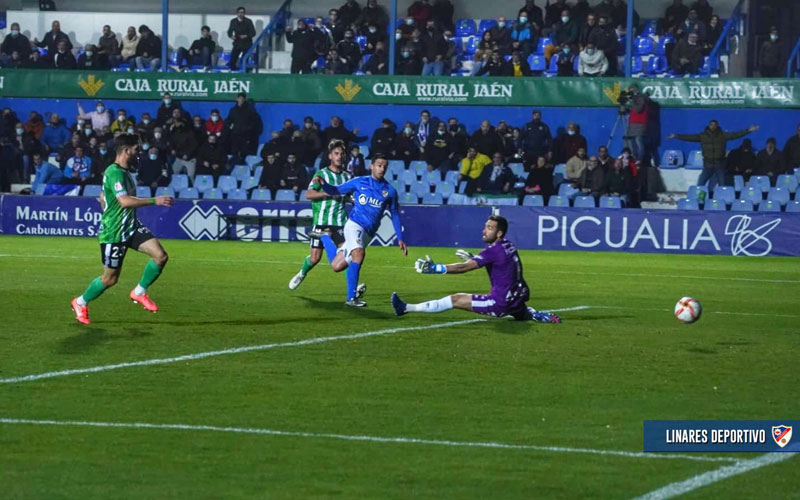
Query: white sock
x=139, y=291
x=81, y=301
x=432, y=306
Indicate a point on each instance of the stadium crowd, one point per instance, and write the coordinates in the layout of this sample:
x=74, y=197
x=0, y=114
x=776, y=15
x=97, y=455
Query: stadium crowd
x=561, y=38
x=495, y=159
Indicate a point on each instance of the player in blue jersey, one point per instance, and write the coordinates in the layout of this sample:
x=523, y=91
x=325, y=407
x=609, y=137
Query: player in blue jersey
x=372, y=195
x=509, y=290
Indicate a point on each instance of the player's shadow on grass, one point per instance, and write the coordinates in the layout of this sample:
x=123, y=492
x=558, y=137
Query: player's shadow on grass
x=90, y=338
x=338, y=306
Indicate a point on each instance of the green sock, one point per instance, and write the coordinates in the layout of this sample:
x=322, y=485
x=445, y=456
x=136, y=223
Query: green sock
x=151, y=273
x=307, y=266
x=96, y=289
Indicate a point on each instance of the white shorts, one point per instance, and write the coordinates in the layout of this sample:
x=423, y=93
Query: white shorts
x=354, y=237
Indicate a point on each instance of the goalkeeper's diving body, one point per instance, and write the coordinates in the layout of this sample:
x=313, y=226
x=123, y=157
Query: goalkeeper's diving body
x=372, y=195
x=509, y=291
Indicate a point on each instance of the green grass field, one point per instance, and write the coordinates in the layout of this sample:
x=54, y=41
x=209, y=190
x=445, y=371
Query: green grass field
x=585, y=384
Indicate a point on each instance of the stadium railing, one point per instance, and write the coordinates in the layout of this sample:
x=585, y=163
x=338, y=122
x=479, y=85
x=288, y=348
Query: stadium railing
x=793, y=64
x=277, y=24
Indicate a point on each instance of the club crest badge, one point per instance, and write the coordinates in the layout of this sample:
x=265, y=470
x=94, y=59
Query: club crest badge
x=781, y=434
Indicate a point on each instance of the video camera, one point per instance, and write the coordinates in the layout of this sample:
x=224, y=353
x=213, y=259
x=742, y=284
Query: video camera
x=624, y=97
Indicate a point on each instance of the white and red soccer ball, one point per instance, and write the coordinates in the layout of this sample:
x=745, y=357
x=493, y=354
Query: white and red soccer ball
x=688, y=310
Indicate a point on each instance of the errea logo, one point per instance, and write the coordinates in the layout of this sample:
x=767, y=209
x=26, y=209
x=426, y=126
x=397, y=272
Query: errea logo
x=198, y=223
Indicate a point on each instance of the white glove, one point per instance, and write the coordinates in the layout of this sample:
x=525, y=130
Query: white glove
x=428, y=266
x=464, y=255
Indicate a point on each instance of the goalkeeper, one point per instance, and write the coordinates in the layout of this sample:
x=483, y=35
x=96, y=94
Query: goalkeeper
x=509, y=290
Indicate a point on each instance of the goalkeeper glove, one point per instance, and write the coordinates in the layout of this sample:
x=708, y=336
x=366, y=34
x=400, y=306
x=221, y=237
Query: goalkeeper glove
x=464, y=255
x=428, y=266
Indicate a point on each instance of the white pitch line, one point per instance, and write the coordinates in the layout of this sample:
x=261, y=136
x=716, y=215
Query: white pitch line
x=372, y=439
x=235, y=350
x=679, y=488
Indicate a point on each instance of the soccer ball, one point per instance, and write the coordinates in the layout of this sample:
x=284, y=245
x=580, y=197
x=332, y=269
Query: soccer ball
x=688, y=310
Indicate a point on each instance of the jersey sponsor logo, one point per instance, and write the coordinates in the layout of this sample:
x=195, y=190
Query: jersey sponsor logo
x=118, y=187
x=369, y=200
x=199, y=223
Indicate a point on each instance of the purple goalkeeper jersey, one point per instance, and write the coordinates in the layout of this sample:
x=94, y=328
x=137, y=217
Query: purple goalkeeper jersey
x=504, y=266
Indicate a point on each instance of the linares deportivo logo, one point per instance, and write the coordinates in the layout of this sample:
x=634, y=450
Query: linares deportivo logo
x=781, y=434
x=349, y=91
x=743, y=238
x=91, y=85
x=198, y=223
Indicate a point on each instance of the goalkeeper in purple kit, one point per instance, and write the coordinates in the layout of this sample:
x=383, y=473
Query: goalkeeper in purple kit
x=509, y=291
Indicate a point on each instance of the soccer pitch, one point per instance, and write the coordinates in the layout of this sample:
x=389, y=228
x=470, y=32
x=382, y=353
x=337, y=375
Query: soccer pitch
x=239, y=387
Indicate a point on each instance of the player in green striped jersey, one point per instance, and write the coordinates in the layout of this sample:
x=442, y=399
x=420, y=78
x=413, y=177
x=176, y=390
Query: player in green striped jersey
x=120, y=229
x=329, y=214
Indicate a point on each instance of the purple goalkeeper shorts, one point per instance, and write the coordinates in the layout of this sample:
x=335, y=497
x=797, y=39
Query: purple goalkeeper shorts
x=489, y=306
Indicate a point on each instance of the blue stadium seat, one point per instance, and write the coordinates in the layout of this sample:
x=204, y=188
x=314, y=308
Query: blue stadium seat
x=643, y=46
x=787, y=182
x=610, y=202
x=769, y=206
x=173, y=58
x=165, y=191
x=237, y=194
x=419, y=167
x=725, y=193
x=432, y=199
x=742, y=206
x=285, y=195
x=241, y=172
x=486, y=25
x=558, y=201
x=227, y=183
x=249, y=183
x=537, y=62
x=760, y=182
x=409, y=199
x=714, y=205
x=649, y=27
x=189, y=193
x=398, y=186
x=688, y=204
x=465, y=27
x=459, y=43
x=394, y=169
x=797, y=173
x=543, y=42
x=420, y=189
x=661, y=46
x=692, y=192
x=252, y=160
x=584, y=202
x=470, y=45
x=695, y=161
x=431, y=178
x=451, y=177
x=203, y=182
x=445, y=189
x=261, y=195
x=751, y=194
x=779, y=195
x=364, y=151
x=566, y=190
x=657, y=65
x=637, y=66
x=92, y=190
x=738, y=183
x=179, y=181
x=143, y=192
x=621, y=45
x=672, y=158
x=552, y=69
x=362, y=42
x=793, y=206
x=517, y=168
x=408, y=177
x=533, y=200
x=213, y=194
x=223, y=60
x=462, y=186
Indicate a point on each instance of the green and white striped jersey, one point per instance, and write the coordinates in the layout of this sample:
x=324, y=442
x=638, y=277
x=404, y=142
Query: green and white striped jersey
x=329, y=211
x=117, y=224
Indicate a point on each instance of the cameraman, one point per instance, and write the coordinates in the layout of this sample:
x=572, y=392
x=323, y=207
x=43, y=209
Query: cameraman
x=636, y=105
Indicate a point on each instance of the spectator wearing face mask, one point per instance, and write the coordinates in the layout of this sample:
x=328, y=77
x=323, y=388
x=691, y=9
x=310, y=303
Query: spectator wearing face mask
x=772, y=55
x=501, y=34
x=687, y=56
x=566, y=30
x=15, y=42
x=101, y=159
x=378, y=63
x=349, y=49
x=374, y=36
x=356, y=166
x=25, y=146
x=592, y=179
x=215, y=124
x=79, y=167
x=153, y=170
x=374, y=15
x=122, y=123
x=100, y=116
x=293, y=175
x=383, y=139
x=566, y=61
x=496, y=178
x=62, y=58
x=303, y=48
x=567, y=144
x=524, y=35
x=409, y=62
x=91, y=59
x=770, y=161
x=604, y=38
x=407, y=147
x=438, y=153
x=164, y=116
x=421, y=12
x=145, y=126
x=211, y=158
x=434, y=48
x=592, y=62
x=55, y=135
x=312, y=139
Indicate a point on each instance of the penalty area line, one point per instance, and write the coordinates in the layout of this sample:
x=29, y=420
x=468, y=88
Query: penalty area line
x=235, y=350
x=371, y=439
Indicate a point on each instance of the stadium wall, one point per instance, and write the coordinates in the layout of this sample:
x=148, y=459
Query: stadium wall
x=641, y=231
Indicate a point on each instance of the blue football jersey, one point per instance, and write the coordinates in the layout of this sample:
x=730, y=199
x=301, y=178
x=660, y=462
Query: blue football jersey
x=371, y=197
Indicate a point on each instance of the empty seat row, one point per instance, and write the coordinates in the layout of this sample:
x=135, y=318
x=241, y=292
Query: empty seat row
x=740, y=205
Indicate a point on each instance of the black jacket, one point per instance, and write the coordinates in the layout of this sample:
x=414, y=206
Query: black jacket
x=149, y=47
x=51, y=41
x=184, y=142
x=270, y=175
x=62, y=61
x=293, y=176
x=19, y=43
x=382, y=141
x=302, y=44
x=487, y=144
x=213, y=154
x=378, y=64
x=95, y=62
x=242, y=120
x=237, y=28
